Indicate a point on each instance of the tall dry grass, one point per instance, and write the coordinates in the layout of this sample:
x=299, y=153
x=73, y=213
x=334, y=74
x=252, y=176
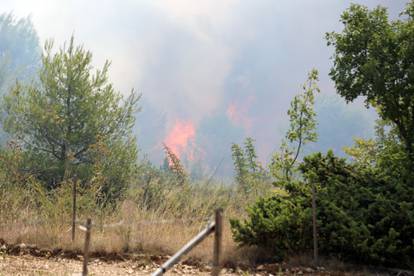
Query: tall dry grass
x=31, y=215
x=154, y=223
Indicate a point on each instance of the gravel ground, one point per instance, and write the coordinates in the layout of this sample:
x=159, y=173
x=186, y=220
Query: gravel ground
x=30, y=265
x=23, y=263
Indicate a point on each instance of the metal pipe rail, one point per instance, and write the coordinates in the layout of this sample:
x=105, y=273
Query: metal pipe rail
x=216, y=227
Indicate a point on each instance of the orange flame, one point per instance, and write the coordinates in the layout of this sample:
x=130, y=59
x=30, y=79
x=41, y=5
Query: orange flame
x=179, y=138
x=238, y=116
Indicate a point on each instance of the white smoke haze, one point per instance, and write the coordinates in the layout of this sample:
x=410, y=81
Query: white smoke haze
x=229, y=67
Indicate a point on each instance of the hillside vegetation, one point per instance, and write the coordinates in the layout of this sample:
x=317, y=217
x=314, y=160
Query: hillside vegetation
x=69, y=127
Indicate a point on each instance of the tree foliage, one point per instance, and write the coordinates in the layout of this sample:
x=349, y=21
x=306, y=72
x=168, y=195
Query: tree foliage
x=73, y=121
x=374, y=59
x=374, y=224
x=362, y=217
x=250, y=174
x=278, y=223
x=240, y=166
x=365, y=207
x=302, y=130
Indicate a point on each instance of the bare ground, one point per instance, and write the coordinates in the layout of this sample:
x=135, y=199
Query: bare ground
x=30, y=265
x=21, y=259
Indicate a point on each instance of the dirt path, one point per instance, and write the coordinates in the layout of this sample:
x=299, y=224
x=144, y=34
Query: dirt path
x=20, y=265
x=30, y=265
x=27, y=264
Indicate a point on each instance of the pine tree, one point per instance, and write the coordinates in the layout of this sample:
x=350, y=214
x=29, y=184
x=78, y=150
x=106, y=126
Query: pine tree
x=251, y=156
x=73, y=120
x=241, y=167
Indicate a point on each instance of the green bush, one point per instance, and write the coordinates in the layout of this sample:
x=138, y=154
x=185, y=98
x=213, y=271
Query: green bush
x=361, y=217
x=276, y=224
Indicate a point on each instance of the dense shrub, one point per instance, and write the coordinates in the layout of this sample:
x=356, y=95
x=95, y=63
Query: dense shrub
x=362, y=216
x=276, y=223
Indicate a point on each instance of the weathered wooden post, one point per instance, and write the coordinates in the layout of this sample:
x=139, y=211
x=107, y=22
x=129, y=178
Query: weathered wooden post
x=218, y=237
x=88, y=227
x=315, y=232
x=73, y=209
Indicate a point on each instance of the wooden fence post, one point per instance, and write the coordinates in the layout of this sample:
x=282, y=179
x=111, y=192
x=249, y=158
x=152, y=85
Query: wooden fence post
x=218, y=235
x=73, y=209
x=88, y=227
x=315, y=231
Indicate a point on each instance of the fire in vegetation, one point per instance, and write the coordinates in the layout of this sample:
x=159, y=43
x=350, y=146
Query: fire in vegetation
x=181, y=138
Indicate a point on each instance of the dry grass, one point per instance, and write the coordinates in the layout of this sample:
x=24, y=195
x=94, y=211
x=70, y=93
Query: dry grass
x=151, y=233
x=148, y=232
x=158, y=214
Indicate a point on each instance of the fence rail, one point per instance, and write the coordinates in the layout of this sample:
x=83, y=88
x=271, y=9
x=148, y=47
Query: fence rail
x=215, y=227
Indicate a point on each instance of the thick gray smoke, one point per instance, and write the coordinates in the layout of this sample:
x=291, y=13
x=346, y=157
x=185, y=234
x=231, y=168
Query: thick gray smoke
x=220, y=70
x=19, y=55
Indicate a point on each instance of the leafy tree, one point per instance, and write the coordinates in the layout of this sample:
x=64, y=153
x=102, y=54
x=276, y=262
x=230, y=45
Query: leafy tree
x=365, y=209
x=385, y=156
x=363, y=152
x=374, y=59
x=280, y=223
x=73, y=122
x=301, y=130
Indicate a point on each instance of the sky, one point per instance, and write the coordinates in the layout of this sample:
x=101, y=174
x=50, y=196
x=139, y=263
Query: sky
x=211, y=72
